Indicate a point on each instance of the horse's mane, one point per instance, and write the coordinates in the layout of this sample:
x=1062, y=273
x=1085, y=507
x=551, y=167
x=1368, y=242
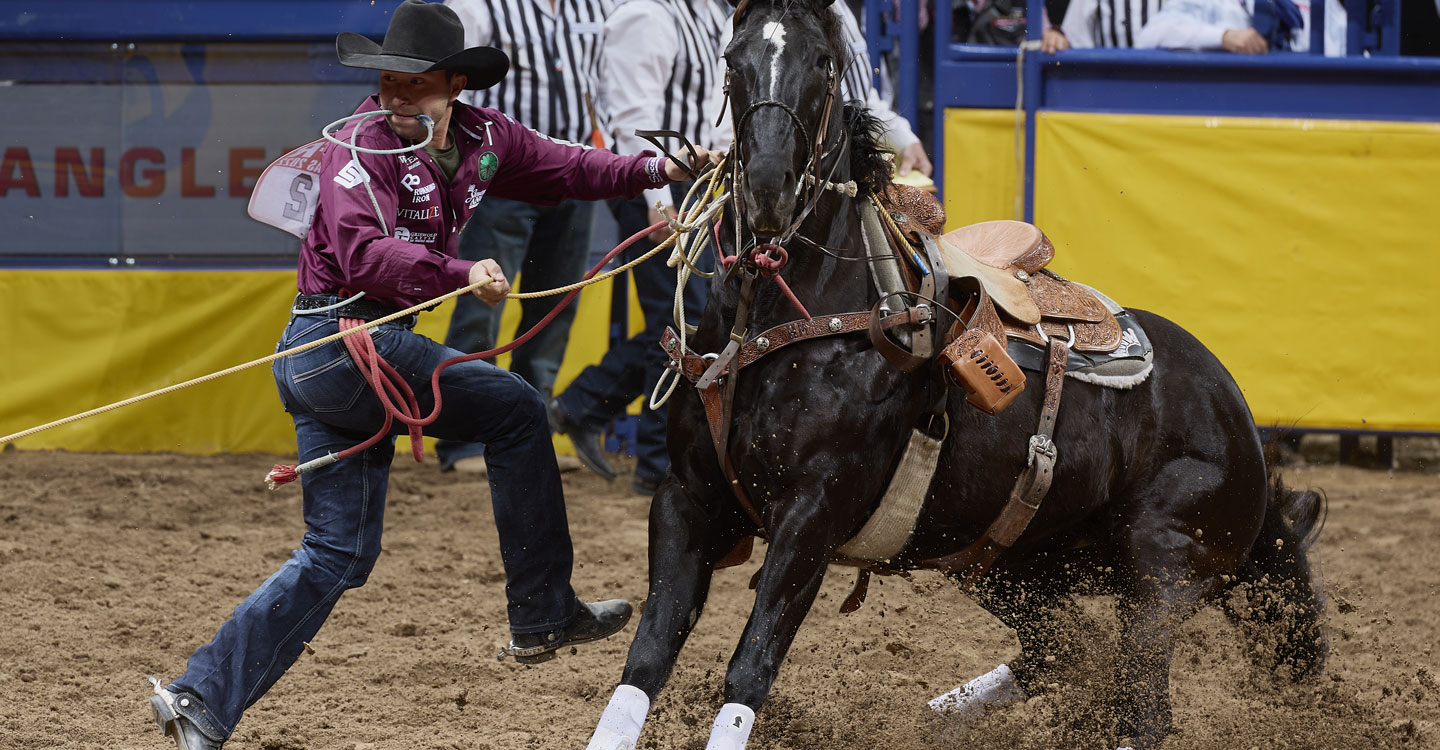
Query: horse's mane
x=868, y=166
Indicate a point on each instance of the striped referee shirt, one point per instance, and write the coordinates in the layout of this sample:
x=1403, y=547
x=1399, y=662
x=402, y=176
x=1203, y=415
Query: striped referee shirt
x=658, y=70
x=554, y=60
x=1107, y=23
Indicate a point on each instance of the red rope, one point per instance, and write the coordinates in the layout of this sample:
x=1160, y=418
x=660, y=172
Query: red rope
x=769, y=259
x=396, y=395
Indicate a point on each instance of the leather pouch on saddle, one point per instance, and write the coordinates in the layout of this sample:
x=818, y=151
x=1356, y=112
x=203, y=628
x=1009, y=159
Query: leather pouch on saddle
x=979, y=364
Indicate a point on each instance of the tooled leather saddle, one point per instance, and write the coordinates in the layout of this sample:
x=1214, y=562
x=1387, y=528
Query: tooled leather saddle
x=1026, y=301
x=1001, y=289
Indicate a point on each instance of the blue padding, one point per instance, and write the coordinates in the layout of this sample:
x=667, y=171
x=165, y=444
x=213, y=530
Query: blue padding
x=230, y=20
x=1146, y=82
x=1292, y=85
x=984, y=84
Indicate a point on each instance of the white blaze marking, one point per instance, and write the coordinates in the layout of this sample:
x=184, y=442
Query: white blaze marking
x=774, y=33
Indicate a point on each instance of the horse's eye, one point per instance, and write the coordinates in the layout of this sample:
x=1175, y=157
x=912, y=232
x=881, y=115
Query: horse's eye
x=823, y=61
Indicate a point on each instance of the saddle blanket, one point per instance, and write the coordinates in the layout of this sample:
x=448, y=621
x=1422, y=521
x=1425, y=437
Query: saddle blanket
x=1124, y=367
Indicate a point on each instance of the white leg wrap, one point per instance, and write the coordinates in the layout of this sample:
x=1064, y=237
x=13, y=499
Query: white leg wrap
x=624, y=717
x=994, y=689
x=732, y=727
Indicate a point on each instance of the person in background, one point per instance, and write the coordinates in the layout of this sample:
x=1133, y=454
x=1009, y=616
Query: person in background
x=1247, y=27
x=1052, y=38
x=386, y=225
x=858, y=84
x=649, y=47
x=554, y=47
x=1112, y=24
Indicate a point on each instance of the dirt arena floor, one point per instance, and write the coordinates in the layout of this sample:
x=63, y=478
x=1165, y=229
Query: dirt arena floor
x=113, y=567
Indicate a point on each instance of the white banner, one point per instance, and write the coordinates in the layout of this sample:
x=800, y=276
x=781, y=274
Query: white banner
x=145, y=169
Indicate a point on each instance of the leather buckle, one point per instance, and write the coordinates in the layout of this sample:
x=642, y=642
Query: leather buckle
x=709, y=360
x=1041, y=445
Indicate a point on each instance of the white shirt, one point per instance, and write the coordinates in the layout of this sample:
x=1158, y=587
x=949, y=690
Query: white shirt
x=1108, y=23
x=1201, y=24
x=898, y=133
x=657, y=70
x=554, y=60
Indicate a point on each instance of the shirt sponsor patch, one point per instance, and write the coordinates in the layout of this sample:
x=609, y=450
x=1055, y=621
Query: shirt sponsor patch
x=422, y=238
x=473, y=197
x=487, y=164
x=417, y=194
x=652, y=168
x=352, y=174
x=419, y=214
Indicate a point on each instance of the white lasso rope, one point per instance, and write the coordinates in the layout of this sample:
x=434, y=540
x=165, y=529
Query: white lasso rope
x=355, y=159
x=683, y=258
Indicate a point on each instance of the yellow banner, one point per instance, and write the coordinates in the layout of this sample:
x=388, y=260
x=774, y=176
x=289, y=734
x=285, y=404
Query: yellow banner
x=981, y=166
x=1302, y=252
x=83, y=339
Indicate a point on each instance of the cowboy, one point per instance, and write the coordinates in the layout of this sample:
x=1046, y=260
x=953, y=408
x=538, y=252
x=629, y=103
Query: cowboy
x=383, y=238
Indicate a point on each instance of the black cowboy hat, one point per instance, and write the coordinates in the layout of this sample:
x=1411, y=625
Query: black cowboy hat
x=423, y=37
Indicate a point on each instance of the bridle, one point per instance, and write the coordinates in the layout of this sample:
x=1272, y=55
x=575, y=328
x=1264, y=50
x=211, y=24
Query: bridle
x=810, y=185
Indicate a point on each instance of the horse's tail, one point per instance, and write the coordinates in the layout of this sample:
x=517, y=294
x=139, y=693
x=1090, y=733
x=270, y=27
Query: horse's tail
x=1277, y=596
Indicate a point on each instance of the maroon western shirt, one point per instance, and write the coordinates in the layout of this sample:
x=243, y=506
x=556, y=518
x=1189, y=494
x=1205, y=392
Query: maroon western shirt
x=347, y=248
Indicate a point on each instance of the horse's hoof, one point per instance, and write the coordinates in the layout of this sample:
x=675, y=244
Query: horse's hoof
x=989, y=691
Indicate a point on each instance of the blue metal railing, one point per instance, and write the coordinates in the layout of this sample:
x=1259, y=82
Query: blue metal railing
x=1371, y=82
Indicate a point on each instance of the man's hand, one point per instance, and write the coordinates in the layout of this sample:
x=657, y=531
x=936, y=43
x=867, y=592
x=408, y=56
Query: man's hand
x=663, y=233
x=1053, y=40
x=497, y=288
x=1244, y=42
x=702, y=154
x=913, y=157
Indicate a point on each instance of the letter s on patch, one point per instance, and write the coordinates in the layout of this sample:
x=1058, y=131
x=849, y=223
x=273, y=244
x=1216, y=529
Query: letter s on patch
x=351, y=175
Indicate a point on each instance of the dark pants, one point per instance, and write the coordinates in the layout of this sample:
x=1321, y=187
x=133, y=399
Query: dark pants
x=548, y=247
x=344, y=505
x=632, y=368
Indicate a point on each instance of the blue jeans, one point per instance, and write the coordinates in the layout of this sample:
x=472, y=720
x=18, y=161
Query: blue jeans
x=344, y=505
x=632, y=368
x=548, y=246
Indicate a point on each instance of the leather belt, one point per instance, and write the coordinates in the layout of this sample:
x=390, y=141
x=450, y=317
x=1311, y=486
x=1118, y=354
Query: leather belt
x=361, y=309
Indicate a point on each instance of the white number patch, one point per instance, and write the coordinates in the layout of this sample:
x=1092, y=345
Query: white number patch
x=353, y=174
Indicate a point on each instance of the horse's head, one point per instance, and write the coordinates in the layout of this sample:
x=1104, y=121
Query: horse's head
x=784, y=64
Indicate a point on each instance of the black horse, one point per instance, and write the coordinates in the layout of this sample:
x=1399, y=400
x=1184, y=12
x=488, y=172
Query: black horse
x=1161, y=491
